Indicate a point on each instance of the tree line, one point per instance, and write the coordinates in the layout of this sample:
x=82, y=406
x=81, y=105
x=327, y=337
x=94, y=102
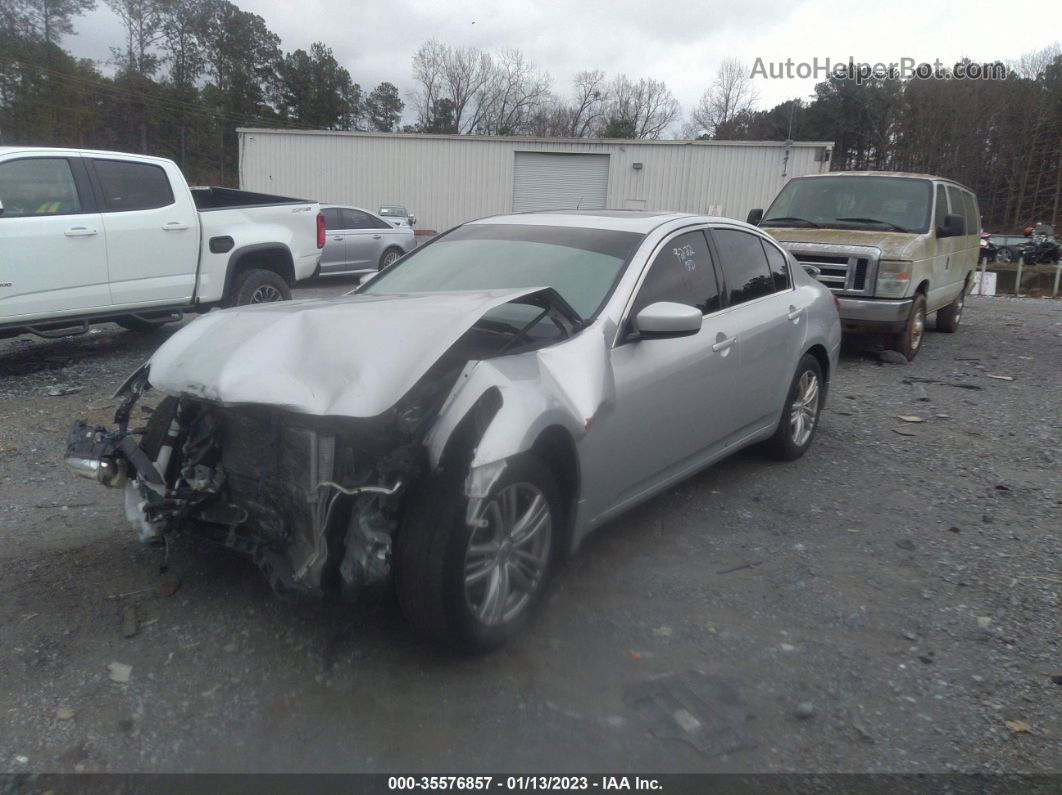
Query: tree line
x=187, y=73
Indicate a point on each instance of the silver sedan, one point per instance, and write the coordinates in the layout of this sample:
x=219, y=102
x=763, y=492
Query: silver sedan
x=499, y=393
x=357, y=240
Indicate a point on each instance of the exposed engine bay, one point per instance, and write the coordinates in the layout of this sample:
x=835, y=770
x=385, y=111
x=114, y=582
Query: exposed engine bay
x=314, y=501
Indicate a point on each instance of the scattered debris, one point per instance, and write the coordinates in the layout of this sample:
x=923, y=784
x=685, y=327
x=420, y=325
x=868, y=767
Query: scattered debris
x=64, y=713
x=130, y=593
x=943, y=416
x=920, y=393
x=1018, y=726
x=752, y=565
x=864, y=735
x=984, y=622
x=906, y=543
x=1001, y=377
x=909, y=634
x=120, y=672
x=926, y=658
x=954, y=529
x=787, y=647
x=130, y=622
x=1057, y=679
x=904, y=431
x=910, y=418
x=892, y=357
x=168, y=585
x=58, y=390
x=663, y=632
x=704, y=711
x=967, y=359
x=805, y=710
x=210, y=693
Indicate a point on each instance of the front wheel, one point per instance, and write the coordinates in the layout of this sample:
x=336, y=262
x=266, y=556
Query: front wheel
x=909, y=341
x=475, y=582
x=800, y=414
x=1005, y=255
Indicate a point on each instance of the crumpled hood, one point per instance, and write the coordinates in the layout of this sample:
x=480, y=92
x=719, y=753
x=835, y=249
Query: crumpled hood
x=352, y=356
x=893, y=245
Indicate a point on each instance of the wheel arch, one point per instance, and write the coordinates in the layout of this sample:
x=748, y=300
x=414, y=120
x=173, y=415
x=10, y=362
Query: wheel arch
x=260, y=256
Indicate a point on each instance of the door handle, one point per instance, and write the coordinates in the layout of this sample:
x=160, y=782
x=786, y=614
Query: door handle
x=79, y=231
x=174, y=226
x=375, y=237
x=338, y=237
x=723, y=344
x=794, y=314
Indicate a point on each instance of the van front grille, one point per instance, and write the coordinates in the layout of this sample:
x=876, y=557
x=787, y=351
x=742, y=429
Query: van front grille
x=846, y=270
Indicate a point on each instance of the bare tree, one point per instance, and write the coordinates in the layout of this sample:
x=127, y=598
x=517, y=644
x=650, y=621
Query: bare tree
x=591, y=104
x=647, y=107
x=428, y=68
x=729, y=97
x=515, y=91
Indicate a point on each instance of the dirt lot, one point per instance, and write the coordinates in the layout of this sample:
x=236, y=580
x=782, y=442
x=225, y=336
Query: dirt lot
x=888, y=603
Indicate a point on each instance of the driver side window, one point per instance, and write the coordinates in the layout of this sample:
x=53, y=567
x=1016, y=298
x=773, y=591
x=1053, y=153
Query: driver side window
x=683, y=273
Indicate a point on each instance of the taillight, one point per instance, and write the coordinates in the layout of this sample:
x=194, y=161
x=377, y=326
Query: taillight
x=837, y=303
x=320, y=230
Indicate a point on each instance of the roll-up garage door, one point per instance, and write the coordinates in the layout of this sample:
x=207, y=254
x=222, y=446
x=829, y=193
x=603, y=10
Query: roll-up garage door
x=549, y=181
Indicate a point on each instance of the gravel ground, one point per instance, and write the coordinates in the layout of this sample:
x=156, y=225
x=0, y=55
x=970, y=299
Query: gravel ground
x=888, y=603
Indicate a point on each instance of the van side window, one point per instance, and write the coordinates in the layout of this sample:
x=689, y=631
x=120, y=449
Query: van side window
x=683, y=273
x=132, y=186
x=38, y=186
x=955, y=200
x=941, y=207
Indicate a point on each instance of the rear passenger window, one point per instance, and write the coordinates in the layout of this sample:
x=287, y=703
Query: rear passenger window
x=132, y=186
x=682, y=273
x=355, y=219
x=331, y=218
x=744, y=265
x=37, y=186
x=779, y=266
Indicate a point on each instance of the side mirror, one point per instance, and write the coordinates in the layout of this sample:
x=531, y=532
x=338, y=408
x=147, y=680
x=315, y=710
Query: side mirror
x=667, y=319
x=1, y=208
x=954, y=226
x=755, y=216
x=412, y=220
x=812, y=270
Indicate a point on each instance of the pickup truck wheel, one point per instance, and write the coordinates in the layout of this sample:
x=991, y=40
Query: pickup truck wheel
x=390, y=257
x=909, y=341
x=949, y=316
x=475, y=585
x=800, y=414
x=259, y=286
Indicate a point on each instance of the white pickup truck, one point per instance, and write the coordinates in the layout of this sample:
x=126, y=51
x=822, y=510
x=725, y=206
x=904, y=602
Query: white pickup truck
x=89, y=237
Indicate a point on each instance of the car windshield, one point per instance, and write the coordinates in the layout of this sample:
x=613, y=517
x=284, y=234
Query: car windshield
x=891, y=204
x=580, y=264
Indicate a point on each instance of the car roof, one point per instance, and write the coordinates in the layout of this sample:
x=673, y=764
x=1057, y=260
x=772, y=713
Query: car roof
x=60, y=150
x=902, y=174
x=346, y=207
x=640, y=221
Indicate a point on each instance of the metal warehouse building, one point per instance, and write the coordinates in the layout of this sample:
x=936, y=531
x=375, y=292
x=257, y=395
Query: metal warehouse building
x=448, y=179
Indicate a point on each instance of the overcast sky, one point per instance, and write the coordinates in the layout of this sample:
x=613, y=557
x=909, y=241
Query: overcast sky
x=678, y=41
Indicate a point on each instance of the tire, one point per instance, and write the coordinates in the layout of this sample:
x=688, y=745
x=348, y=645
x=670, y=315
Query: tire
x=432, y=558
x=141, y=325
x=802, y=409
x=948, y=317
x=389, y=258
x=1005, y=255
x=258, y=286
x=909, y=341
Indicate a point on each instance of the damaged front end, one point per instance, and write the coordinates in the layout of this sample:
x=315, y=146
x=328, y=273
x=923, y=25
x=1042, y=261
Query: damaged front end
x=314, y=500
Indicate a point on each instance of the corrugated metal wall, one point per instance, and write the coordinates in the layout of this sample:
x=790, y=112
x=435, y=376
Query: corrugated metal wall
x=446, y=180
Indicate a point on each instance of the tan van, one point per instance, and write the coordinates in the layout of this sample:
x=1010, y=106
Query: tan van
x=892, y=247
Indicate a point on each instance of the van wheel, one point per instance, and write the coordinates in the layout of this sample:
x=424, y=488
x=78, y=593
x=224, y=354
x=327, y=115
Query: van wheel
x=800, y=414
x=259, y=286
x=475, y=584
x=948, y=318
x=909, y=341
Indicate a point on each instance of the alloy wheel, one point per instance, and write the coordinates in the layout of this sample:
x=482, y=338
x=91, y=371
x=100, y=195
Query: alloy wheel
x=266, y=294
x=508, y=553
x=805, y=411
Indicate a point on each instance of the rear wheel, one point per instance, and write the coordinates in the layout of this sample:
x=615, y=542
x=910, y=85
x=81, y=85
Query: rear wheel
x=475, y=583
x=948, y=318
x=390, y=257
x=909, y=341
x=800, y=414
x=259, y=286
